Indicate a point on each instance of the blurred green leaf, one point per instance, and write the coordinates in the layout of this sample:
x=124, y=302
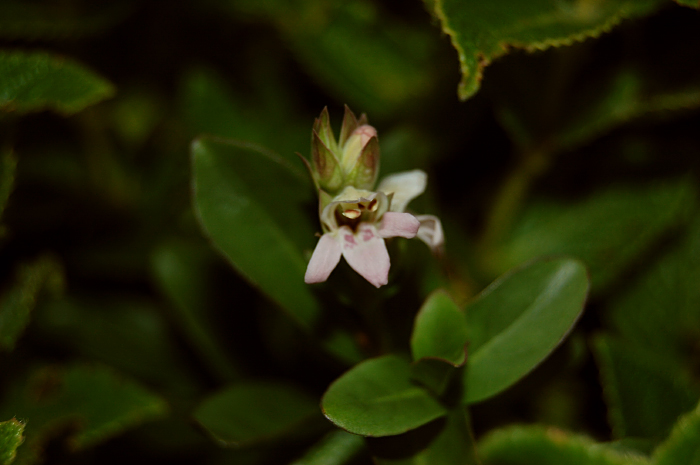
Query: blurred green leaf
x=690, y=3
x=660, y=310
x=608, y=230
x=251, y=205
x=377, y=398
x=683, y=445
x=211, y=106
x=126, y=333
x=247, y=413
x=364, y=57
x=47, y=20
x=484, y=31
x=522, y=445
x=358, y=52
x=518, y=320
x=17, y=303
x=94, y=401
x=645, y=393
x=567, y=109
x=451, y=444
x=336, y=448
x=440, y=330
x=10, y=439
x=181, y=271
x=35, y=81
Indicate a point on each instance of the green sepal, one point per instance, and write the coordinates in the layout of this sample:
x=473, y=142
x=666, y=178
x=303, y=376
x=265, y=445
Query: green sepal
x=327, y=172
x=322, y=126
x=350, y=123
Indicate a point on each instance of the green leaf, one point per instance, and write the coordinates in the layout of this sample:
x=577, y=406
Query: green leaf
x=645, y=392
x=128, y=334
x=518, y=320
x=354, y=49
x=440, y=330
x=19, y=301
x=377, y=398
x=607, y=231
x=10, y=439
x=451, y=442
x=252, y=207
x=484, y=31
x=536, y=445
x=94, y=402
x=264, y=115
x=364, y=57
x=660, y=310
x=336, y=448
x=247, y=413
x=182, y=273
x=683, y=445
x=582, y=113
x=40, y=20
x=39, y=81
x=690, y=3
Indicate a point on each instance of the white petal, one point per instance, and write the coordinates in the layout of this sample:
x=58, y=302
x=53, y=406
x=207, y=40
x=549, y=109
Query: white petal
x=366, y=253
x=406, y=186
x=430, y=232
x=324, y=259
x=399, y=224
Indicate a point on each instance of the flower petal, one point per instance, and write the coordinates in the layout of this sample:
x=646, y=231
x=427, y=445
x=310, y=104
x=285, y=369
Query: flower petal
x=430, y=232
x=366, y=253
x=406, y=186
x=399, y=224
x=324, y=259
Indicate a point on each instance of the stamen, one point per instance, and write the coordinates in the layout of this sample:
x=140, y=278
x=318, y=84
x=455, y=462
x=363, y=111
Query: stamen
x=373, y=205
x=352, y=214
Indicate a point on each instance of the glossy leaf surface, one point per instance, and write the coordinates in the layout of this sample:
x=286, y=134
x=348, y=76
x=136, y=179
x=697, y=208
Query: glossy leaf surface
x=518, y=320
x=251, y=206
x=440, y=330
x=377, y=398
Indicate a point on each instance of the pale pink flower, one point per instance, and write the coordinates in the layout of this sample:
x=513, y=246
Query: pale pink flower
x=356, y=223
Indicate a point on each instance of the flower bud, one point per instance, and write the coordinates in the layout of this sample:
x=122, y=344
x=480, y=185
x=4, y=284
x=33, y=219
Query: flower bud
x=353, y=160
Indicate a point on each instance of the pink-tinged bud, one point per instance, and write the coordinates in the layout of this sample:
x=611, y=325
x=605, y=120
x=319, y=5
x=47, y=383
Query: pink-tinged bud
x=361, y=157
x=366, y=132
x=358, y=140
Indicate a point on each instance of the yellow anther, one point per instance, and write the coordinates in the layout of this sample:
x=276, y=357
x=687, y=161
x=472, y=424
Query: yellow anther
x=373, y=205
x=352, y=214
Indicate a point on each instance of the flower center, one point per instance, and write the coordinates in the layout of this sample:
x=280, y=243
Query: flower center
x=353, y=213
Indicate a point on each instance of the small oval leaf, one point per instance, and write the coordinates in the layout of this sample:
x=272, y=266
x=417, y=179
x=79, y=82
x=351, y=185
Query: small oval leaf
x=518, y=320
x=377, y=398
x=440, y=330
